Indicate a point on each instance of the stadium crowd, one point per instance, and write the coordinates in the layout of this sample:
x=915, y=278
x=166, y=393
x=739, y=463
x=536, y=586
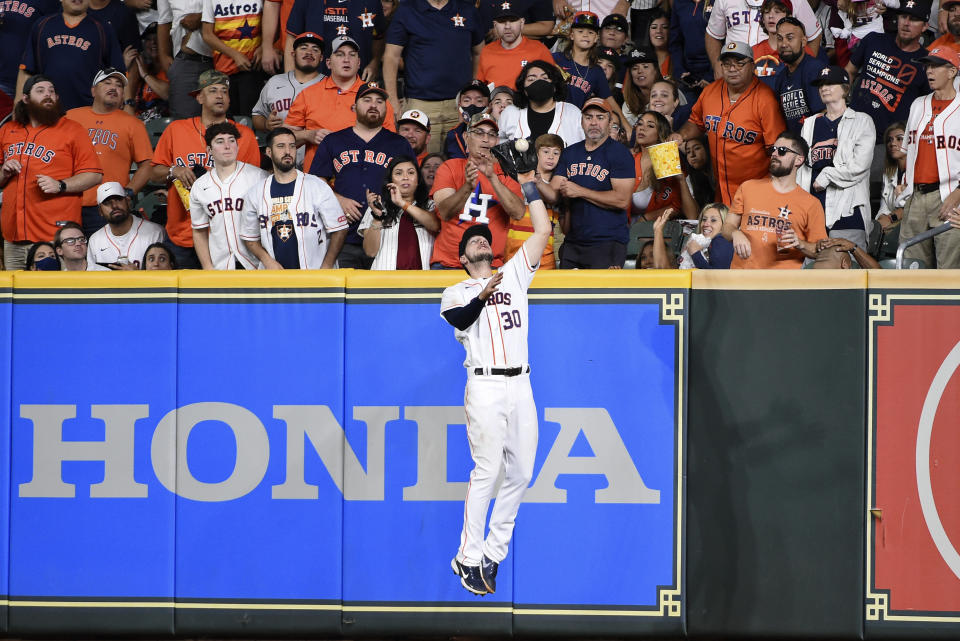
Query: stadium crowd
x=309, y=134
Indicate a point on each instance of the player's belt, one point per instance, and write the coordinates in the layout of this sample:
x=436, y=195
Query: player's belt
x=501, y=371
x=926, y=188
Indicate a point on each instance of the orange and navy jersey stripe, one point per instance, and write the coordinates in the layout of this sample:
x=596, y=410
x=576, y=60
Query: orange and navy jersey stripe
x=237, y=24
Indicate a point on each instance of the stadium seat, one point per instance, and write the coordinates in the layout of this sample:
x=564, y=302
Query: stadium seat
x=889, y=241
x=155, y=128
x=153, y=207
x=908, y=263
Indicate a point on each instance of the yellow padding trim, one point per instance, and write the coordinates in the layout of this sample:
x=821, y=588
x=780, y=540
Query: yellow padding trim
x=545, y=279
x=915, y=279
x=96, y=280
x=779, y=279
x=292, y=279
x=6, y=281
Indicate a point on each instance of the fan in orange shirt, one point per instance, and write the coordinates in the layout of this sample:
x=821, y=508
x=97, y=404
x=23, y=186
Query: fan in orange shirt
x=502, y=60
x=327, y=106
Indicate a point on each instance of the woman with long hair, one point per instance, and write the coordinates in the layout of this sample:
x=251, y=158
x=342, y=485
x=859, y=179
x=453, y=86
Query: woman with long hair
x=706, y=248
x=400, y=223
x=42, y=257
x=541, y=107
x=894, y=176
x=666, y=98
x=700, y=179
x=653, y=196
x=642, y=72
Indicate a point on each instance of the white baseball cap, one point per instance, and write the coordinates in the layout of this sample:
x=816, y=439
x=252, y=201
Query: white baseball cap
x=417, y=116
x=108, y=190
x=107, y=72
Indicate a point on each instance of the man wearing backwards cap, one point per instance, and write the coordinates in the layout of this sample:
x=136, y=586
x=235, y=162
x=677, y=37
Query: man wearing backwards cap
x=933, y=155
x=474, y=191
x=183, y=147
x=121, y=243
x=48, y=162
x=952, y=37
x=886, y=97
x=355, y=158
x=282, y=89
x=118, y=138
x=596, y=175
x=738, y=136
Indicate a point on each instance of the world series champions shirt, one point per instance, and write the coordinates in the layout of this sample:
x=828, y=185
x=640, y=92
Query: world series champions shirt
x=889, y=79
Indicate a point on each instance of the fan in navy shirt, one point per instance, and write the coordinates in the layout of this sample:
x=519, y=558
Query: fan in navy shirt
x=888, y=78
x=355, y=159
x=18, y=18
x=792, y=82
x=121, y=19
x=596, y=176
x=538, y=15
x=361, y=20
x=688, y=53
x=586, y=80
x=70, y=48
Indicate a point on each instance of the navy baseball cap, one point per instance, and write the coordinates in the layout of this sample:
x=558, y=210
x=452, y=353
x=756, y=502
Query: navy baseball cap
x=368, y=88
x=475, y=85
x=831, y=76
x=919, y=8
x=476, y=230
x=642, y=55
x=615, y=21
x=506, y=10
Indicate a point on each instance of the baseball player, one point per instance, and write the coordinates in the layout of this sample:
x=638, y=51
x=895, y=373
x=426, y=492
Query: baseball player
x=217, y=200
x=48, y=162
x=292, y=220
x=489, y=313
x=121, y=243
x=741, y=117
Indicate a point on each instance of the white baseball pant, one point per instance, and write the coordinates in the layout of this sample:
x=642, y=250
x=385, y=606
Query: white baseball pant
x=502, y=431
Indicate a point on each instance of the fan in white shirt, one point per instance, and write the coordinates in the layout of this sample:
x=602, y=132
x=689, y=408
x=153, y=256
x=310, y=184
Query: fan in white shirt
x=121, y=243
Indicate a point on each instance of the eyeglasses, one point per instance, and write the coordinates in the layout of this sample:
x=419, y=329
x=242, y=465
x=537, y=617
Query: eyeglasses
x=734, y=64
x=781, y=151
x=70, y=242
x=483, y=133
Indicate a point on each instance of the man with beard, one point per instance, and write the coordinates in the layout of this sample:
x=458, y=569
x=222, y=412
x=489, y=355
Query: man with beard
x=952, y=37
x=884, y=96
x=217, y=202
x=474, y=191
x=355, y=158
x=503, y=59
x=329, y=104
x=124, y=239
x=48, y=162
x=596, y=176
x=774, y=223
x=282, y=89
x=182, y=149
x=740, y=116
x=119, y=139
x=793, y=81
x=292, y=220
x=70, y=48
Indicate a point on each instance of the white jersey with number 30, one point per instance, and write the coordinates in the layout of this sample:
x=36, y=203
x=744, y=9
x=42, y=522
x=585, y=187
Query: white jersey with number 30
x=498, y=338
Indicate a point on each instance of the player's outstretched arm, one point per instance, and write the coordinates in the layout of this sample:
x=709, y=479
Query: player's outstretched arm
x=537, y=242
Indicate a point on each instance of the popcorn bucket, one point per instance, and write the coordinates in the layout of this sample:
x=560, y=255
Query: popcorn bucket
x=665, y=158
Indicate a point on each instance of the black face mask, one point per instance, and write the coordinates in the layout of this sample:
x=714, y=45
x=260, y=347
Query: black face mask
x=471, y=110
x=539, y=91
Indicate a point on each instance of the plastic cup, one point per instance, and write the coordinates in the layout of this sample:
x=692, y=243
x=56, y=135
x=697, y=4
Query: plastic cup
x=665, y=159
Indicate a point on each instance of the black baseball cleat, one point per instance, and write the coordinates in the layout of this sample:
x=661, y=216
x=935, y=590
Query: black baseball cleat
x=469, y=577
x=488, y=573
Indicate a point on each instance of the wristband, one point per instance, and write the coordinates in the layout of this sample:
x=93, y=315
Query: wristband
x=530, y=192
x=894, y=217
x=170, y=173
x=63, y=186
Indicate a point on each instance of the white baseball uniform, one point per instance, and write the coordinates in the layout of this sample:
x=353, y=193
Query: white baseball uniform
x=740, y=20
x=501, y=414
x=313, y=212
x=104, y=247
x=217, y=205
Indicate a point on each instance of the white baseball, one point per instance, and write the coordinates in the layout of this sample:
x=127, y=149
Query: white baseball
x=521, y=145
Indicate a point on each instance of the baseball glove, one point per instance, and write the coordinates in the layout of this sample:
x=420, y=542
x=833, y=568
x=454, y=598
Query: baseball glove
x=513, y=161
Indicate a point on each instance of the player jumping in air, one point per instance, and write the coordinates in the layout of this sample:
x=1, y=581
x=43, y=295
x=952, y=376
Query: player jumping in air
x=489, y=313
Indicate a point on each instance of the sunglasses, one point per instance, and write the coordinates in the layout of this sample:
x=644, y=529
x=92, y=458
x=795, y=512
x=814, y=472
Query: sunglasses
x=781, y=151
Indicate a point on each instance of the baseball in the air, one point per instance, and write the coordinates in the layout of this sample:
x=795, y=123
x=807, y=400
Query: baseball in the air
x=521, y=145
